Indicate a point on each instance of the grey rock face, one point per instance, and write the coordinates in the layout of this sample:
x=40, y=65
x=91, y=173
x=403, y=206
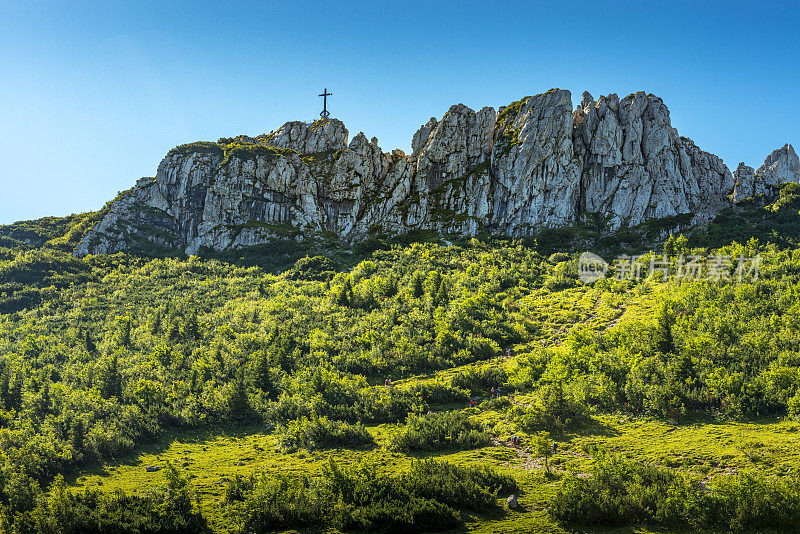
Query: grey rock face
x=303, y=137
x=747, y=183
x=537, y=172
x=636, y=166
x=535, y=163
x=779, y=167
x=421, y=136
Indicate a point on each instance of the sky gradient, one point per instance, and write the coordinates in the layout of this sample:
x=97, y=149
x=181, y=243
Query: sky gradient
x=95, y=94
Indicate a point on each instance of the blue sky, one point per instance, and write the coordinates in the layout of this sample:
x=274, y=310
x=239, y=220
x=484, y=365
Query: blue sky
x=94, y=94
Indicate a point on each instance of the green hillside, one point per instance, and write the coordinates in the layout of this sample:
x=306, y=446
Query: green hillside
x=249, y=391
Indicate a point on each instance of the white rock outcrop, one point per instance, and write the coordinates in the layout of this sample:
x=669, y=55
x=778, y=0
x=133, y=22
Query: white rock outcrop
x=535, y=163
x=304, y=137
x=779, y=167
x=636, y=166
x=747, y=183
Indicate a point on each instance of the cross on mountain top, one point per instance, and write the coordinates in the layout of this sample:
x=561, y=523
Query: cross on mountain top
x=325, y=94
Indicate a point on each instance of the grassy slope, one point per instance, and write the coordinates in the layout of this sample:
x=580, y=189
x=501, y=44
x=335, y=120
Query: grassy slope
x=703, y=447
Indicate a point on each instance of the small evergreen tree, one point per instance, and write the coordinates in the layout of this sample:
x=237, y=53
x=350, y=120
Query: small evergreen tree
x=155, y=326
x=442, y=295
x=344, y=294
x=124, y=331
x=665, y=342
x=669, y=246
x=238, y=401
x=89, y=343
x=390, y=285
x=110, y=379
x=260, y=372
x=174, y=331
x=192, y=328
x=433, y=282
x=681, y=244
x=15, y=392
x=44, y=401
x=5, y=389
x=544, y=449
x=77, y=434
x=418, y=288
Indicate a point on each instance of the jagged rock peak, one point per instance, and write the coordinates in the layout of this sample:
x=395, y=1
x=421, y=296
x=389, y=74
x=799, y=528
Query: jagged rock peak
x=586, y=100
x=747, y=184
x=781, y=166
x=636, y=166
x=421, y=135
x=303, y=137
x=534, y=163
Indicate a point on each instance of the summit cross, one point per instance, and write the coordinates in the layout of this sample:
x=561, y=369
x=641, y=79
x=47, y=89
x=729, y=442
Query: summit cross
x=325, y=94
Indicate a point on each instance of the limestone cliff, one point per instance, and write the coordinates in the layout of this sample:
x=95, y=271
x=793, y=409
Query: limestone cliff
x=532, y=164
x=781, y=166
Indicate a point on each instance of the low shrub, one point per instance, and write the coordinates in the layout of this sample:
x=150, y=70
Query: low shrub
x=167, y=510
x=385, y=405
x=320, y=268
x=438, y=431
x=360, y=497
x=623, y=492
x=497, y=403
x=435, y=392
x=322, y=433
x=479, y=379
x=473, y=488
x=552, y=409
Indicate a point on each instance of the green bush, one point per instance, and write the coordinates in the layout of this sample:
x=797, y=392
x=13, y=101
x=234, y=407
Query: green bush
x=271, y=503
x=435, y=392
x=322, y=433
x=473, y=488
x=319, y=268
x=427, y=498
x=480, y=379
x=497, y=403
x=622, y=492
x=438, y=431
x=167, y=510
x=552, y=409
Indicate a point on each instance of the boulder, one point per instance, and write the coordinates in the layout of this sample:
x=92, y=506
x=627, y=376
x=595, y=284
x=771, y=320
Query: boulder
x=512, y=502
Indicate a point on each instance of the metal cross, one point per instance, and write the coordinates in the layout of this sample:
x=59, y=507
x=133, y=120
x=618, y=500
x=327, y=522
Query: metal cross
x=325, y=113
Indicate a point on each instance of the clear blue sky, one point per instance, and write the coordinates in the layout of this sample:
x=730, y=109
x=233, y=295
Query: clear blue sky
x=94, y=94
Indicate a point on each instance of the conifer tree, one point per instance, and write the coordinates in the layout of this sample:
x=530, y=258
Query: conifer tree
x=77, y=434
x=238, y=401
x=192, y=327
x=418, y=289
x=111, y=381
x=89, y=343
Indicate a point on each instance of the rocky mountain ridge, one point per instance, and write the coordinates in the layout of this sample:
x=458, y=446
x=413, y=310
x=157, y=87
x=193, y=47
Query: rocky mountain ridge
x=779, y=167
x=533, y=164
